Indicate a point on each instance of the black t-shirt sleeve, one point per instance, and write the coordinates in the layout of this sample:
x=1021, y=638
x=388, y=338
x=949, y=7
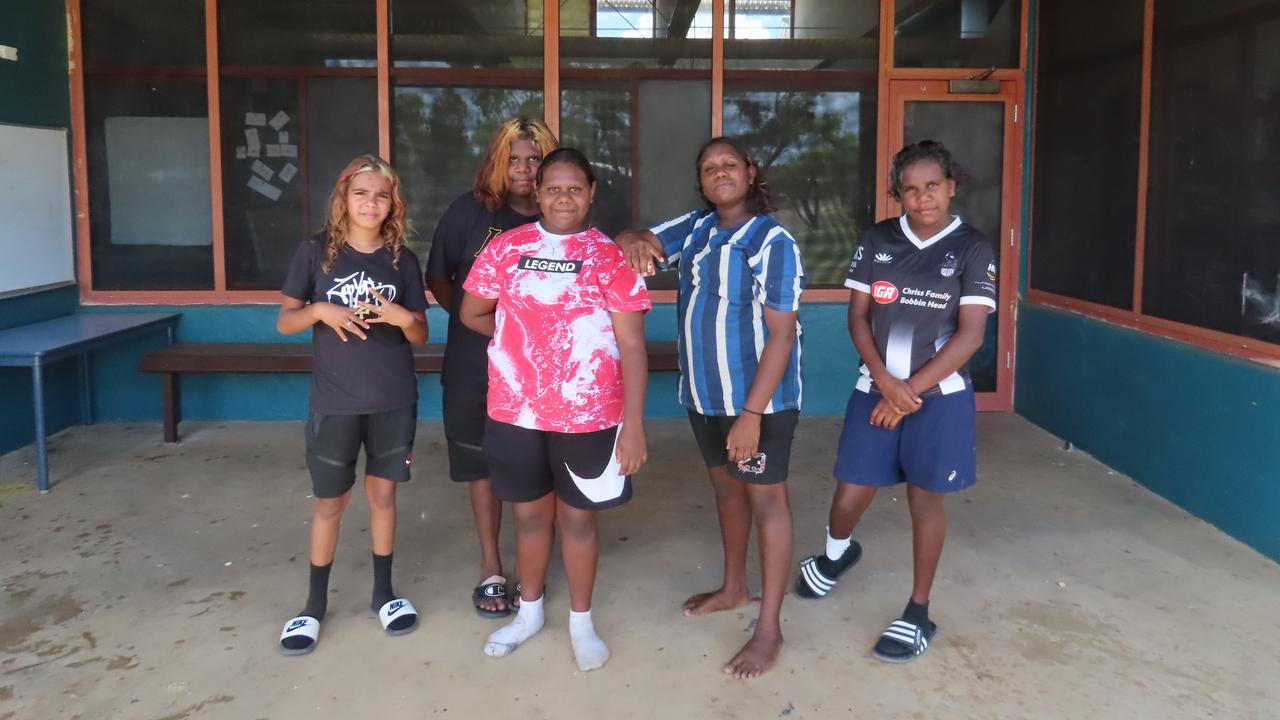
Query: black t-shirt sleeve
x=859, y=277
x=978, y=282
x=299, y=282
x=449, y=241
x=415, y=296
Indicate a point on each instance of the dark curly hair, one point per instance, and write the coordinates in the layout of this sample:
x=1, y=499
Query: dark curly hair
x=568, y=156
x=923, y=151
x=759, y=197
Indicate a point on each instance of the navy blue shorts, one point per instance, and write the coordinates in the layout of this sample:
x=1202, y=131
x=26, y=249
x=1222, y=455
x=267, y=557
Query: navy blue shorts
x=935, y=448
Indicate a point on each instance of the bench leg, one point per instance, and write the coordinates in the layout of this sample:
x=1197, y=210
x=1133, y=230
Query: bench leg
x=172, y=406
x=42, y=458
x=86, y=389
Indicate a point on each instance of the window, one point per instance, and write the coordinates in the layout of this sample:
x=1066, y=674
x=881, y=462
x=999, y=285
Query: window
x=1202, y=261
x=1086, y=180
x=802, y=96
x=1213, y=223
x=959, y=33
x=286, y=67
x=635, y=96
x=460, y=68
x=147, y=134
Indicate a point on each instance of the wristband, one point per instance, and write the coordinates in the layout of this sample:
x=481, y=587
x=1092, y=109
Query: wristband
x=753, y=412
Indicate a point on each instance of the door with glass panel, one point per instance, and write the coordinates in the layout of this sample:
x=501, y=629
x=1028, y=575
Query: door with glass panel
x=977, y=121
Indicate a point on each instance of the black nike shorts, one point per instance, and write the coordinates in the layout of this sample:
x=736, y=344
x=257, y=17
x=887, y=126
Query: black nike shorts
x=465, y=415
x=773, y=453
x=334, y=442
x=581, y=468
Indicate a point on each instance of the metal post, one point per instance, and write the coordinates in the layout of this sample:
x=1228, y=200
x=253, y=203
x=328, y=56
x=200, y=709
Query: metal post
x=42, y=461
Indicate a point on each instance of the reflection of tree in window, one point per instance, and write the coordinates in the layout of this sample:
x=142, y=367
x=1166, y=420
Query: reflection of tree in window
x=807, y=143
x=440, y=136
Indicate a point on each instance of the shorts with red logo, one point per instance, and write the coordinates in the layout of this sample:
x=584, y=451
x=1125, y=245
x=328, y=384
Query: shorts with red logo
x=581, y=468
x=772, y=460
x=334, y=442
x=934, y=448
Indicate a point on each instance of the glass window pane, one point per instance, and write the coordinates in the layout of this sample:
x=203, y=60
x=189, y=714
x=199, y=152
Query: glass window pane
x=957, y=33
x=1086, y=162
x=440, y=136
x=823, y=35
x=1212, y=254
x=635, y=96
x=466, y=34
x=147, y=141
x=298, y=33
x=288, y=128
x=817, y=151
x=635, y=34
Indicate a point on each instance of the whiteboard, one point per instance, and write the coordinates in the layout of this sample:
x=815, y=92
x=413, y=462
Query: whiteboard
x=36, y=239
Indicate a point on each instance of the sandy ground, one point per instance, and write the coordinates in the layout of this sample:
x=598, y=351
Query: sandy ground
x=153, y=581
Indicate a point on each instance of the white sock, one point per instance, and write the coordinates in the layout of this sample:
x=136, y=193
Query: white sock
x=836, y=547
x=588, y=649
x=506, y=639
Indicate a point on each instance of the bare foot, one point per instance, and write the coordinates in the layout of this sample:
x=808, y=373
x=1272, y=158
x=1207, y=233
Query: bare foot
x=715, y=601
x=757, y=657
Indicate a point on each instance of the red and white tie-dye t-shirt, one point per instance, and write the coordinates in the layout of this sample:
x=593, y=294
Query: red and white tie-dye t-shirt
x=553, y=361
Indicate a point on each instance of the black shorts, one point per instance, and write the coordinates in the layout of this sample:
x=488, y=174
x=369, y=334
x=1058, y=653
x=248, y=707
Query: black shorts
x=581, y=468
x=773, y=457
x=465, y=414
x=333, y=444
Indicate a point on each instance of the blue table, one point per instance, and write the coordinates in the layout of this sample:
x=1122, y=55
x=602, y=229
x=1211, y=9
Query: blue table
x=40, y=344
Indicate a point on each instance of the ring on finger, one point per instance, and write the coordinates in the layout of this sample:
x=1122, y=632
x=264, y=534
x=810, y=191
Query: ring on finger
x=348, y=322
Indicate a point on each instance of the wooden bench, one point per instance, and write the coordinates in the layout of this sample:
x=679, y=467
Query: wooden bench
x=39, y=344
x=184, y=358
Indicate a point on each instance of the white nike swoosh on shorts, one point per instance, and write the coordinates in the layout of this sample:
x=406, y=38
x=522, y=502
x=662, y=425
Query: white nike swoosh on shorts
x=606, y=486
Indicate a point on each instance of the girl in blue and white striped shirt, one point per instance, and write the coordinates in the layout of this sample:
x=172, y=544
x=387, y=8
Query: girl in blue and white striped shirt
x=741, y=277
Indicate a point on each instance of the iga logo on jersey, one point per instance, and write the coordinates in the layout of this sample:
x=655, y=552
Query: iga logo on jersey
x=884, y=292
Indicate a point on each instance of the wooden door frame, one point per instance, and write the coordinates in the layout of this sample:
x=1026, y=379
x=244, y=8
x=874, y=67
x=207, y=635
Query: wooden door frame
x=1006, y=240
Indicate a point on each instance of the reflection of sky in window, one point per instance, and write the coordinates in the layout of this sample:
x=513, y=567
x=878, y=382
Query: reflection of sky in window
x=762, y=26
x=613, y=21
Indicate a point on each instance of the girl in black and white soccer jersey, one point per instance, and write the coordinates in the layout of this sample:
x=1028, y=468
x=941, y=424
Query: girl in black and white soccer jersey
x=922, y=284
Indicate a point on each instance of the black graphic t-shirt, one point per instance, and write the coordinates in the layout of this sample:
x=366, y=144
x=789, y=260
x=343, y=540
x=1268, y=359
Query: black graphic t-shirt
x=463, y=231
x=358, y=376
x=917, y=289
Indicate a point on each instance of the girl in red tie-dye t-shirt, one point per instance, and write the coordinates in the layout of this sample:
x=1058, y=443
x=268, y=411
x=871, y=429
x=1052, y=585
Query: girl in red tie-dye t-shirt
x=567, y=375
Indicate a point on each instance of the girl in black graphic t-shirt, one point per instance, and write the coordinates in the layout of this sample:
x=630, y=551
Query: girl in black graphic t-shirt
x=359, y=290
x=501, y=199
x=922, y=287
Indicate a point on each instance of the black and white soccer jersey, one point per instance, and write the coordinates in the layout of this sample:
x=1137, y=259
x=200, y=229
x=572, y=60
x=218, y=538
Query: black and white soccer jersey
x=917, y=289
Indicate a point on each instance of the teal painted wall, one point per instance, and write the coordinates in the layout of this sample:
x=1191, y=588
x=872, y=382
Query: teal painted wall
x=35, y=89
x=1197, y=427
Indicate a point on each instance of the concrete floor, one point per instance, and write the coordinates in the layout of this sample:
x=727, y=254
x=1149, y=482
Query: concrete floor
x=153, y=581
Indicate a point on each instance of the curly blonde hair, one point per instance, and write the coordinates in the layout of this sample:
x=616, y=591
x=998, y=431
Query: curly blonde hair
x=394, y=227
x=491, y=184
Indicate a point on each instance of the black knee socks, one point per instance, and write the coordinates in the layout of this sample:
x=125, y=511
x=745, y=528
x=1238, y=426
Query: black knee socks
x=318, y=596
x=382, y=593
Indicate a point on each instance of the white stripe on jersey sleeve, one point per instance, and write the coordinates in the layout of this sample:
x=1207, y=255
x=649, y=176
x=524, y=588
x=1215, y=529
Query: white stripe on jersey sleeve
x=978, y=300
x=860, y=287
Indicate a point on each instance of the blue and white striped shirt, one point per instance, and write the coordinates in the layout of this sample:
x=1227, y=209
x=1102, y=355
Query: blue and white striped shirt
x=728, y=276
